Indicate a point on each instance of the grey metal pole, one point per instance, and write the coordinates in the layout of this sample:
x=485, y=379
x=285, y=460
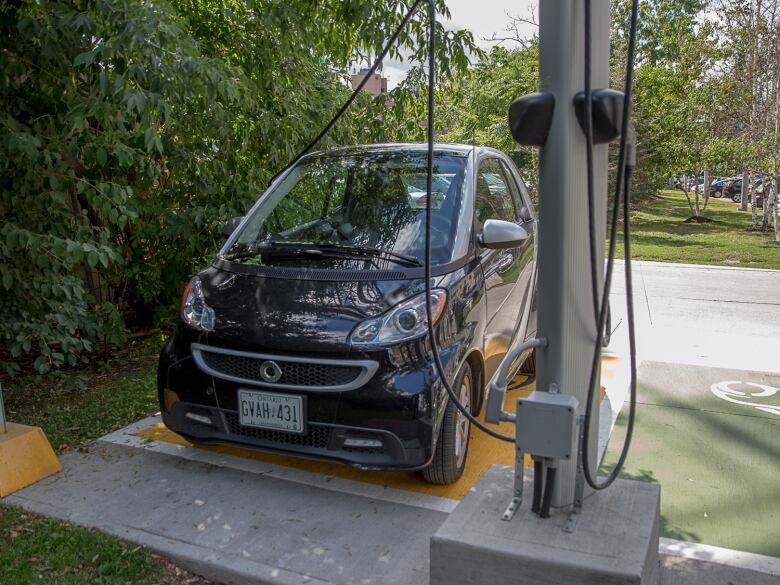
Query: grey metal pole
x=565, y=309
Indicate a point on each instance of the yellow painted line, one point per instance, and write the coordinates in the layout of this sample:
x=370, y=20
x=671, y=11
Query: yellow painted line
x=484, y=451
x=25, y=457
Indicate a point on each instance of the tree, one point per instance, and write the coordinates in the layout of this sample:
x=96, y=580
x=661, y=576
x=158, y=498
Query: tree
x=472, y=108
x=132, y=130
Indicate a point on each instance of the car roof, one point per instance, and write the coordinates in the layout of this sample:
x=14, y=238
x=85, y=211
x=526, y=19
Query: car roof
x=389, y=147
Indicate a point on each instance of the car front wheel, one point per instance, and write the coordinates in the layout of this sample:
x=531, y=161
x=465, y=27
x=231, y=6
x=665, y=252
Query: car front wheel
x=449, y=460
x=736, y=198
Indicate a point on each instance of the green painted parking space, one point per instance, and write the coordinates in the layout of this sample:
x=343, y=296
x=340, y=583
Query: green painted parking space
x=711, y=438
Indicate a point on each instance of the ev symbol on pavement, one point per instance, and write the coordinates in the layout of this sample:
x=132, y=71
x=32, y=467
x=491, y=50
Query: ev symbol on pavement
x=723, y=390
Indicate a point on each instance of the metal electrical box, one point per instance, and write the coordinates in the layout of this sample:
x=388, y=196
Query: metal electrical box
x=547, y=425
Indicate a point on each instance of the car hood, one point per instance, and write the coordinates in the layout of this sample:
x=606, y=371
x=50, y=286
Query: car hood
x=256, y=312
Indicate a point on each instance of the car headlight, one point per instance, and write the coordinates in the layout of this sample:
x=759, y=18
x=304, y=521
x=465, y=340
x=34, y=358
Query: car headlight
x=194, y=310
x=405, y=321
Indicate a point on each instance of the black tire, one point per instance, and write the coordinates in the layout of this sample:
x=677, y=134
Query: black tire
x=736, y=198
x=717, y=194
x=447, y=465
x=529, y=365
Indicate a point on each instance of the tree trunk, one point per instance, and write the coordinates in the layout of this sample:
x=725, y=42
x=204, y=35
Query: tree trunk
x=697, y=212
x=706, y=188
x=766, y=203
x=685, y=190
x=777, y=207
x=752, y=194
x=743, y=203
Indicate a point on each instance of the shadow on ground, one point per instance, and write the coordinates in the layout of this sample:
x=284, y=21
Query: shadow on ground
x=717, y=462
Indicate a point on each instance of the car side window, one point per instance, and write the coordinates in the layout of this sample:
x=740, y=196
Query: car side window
x=520, y=196
x=493, y=198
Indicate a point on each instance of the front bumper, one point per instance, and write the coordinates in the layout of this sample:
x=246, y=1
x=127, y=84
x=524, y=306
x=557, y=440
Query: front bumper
x=384, y=449
x=389, y=422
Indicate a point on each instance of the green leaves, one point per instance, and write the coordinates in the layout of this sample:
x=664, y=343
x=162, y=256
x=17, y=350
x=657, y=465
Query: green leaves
x=132, y=130
x=87, y=58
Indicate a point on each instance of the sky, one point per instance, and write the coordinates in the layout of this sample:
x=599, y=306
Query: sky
x=482, y=17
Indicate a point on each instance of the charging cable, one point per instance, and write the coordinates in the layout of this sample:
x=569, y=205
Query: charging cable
x=626, y=162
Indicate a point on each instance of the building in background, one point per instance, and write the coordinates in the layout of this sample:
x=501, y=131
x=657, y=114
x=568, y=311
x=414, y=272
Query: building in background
x=376, y=85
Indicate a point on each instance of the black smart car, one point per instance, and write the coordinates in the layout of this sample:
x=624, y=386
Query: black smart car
x=308, y=333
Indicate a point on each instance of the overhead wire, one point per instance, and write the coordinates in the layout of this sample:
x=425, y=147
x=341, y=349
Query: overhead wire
x=368, y=75
x=429, y=187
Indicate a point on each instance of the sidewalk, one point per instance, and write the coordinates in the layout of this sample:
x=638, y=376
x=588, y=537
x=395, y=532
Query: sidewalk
x=240, y=520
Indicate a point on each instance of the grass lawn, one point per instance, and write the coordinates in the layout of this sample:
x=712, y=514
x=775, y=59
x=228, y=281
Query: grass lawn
x=659, y=233
x=73, y=408
x=37, y=550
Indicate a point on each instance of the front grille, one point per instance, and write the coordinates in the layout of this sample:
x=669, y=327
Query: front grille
x=293, y=373
x=317, y=436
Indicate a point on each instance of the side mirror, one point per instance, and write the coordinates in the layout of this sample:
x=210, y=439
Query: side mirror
x=499, y=234
x=525, y=213
x=230, y=226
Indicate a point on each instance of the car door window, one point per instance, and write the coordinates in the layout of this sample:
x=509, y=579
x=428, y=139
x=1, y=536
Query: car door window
x=519, y=193
x=493, y=198
x=513, y=188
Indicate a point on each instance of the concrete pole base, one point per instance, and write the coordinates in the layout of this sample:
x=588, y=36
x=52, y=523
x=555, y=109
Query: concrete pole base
x=615, y=541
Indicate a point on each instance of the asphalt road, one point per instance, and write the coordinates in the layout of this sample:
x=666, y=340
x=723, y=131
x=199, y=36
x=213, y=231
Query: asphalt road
x=701, y=315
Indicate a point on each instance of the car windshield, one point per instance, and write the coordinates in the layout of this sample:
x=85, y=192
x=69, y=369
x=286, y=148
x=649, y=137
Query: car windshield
x=345, y=205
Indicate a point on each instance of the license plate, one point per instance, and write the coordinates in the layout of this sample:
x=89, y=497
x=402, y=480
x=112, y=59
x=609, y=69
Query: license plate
x=267, y=410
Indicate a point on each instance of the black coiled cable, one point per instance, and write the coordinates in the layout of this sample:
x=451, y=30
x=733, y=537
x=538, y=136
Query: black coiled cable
x=621, y=187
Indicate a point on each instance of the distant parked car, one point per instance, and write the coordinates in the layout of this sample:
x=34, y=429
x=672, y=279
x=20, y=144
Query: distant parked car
x=716, y=188
x=733, y=189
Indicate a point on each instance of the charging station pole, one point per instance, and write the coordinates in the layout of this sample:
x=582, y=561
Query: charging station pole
x=566, y=309
x=613, y=537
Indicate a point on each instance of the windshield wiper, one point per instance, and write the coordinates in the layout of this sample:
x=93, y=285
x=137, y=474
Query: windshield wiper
x=379, y=252
x=277, y=248
x=324, y=249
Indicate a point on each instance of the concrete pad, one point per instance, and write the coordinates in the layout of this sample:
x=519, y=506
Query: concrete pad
x=238, y=520
x=615, y=540
x=244, y=527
